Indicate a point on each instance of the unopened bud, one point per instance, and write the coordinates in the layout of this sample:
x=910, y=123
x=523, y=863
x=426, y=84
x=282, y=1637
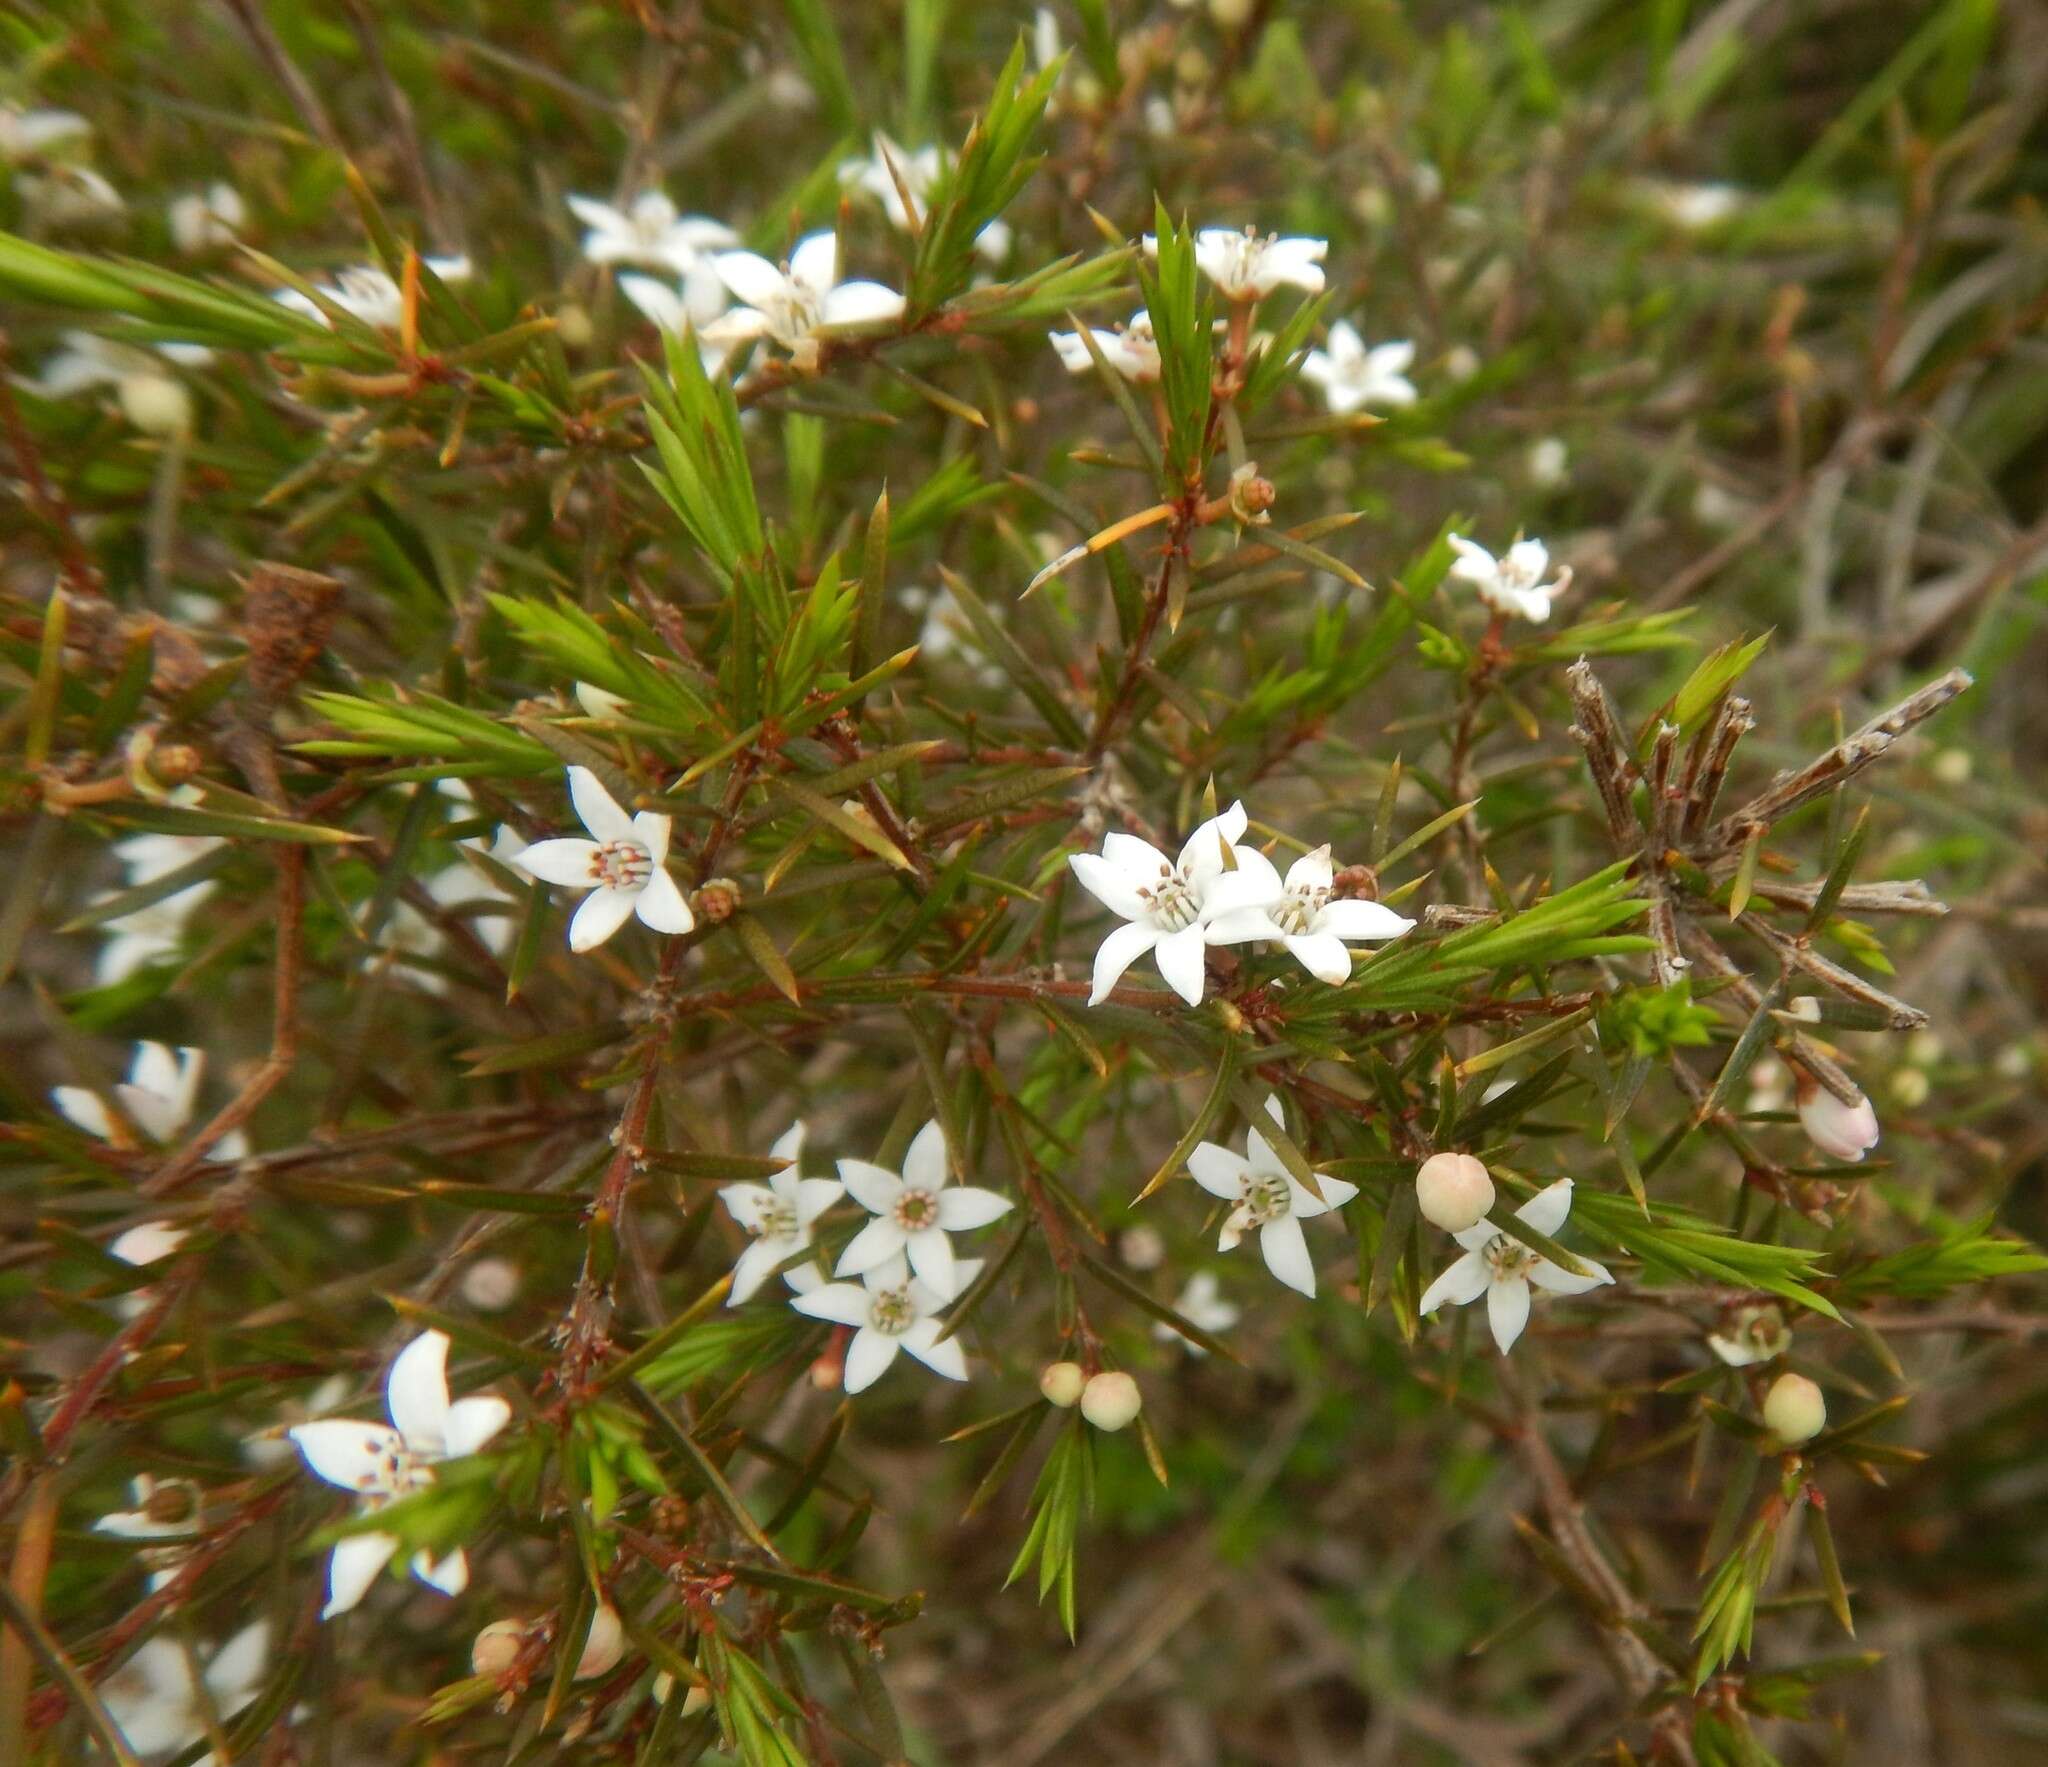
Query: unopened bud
x=718, y=899
x=1110, y=1401
x=1794, y=1410
x=1454, y=1191
x=497, y=1647
x=1911, y=1086
x=156, y=404
x=1062, y=1382
x=604, y=1644
x=1841, y=1131
x=1141, y=1248
x=572, y=326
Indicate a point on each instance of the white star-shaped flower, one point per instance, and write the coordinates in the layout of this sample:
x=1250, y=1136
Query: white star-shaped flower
x=779, y=1215
x=891, y=172
x=891, y=1311
x=205, y=220
x=796, y=304
x=1200, y=1303
x=1248, y=265
x=380, y=1463
x=624, y=867
x=27, y=132
x=1164, y=902
x=1352, y=376
x=1131, y=350
x=161, y=1710
x=369, y=294
x=1502, y=1268
x=157, y=1097
x=1268, y=1197
x=914, y=1212
x=1512, y=583
x=648, y=231
x=1252, y=903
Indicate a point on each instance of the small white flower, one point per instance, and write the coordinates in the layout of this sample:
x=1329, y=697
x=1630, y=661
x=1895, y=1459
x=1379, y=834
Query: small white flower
x=1164, y=901
x=151, y=396
x=649, y=231
x=1548, y=459
x=1502, y=1268
x=891, y=172
x=380, y=1463
x=27, y=132
x=914, y=1212
x=779, y=1214
x=624, y=868
x=1694, y=206
x=205, y=220
x=1352, y=376
x=1252, y=903
x=158, y=1706
x=797, y=304
x=1250, y=265
x=1841, y=1131
x=1512, y=583
x=1131, y=349
x=167, y=1509
x=891, y=1311
x=369, y=294
x=69, y=196
x=1269, y=1198
x=1756, y=1333
x=157, y=1097
x=1200, y=1303
x=147, y=1242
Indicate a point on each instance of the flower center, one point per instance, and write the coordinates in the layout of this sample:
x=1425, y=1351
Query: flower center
x=1508, y=1258
x=776, y=1220
x=891, y=1312
x=916, y=1210
x=1266, y=1197
x=621, y=865
x=795, y=313
x=1299, y=909
x=1171, y=901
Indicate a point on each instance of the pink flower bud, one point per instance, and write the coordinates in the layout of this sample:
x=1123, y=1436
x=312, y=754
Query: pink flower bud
x=1110, y=1401
x=1062, y=1382
x=1794, y=1410
x=1453, y=1191
x=1841, y=1131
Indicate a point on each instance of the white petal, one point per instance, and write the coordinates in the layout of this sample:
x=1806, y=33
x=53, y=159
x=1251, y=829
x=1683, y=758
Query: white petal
x=1118, y=952
x=751, y=278
x=874, y=1187
x=745, y=1203
x=1181, y=958
x=1547, y=1209
x=85, y=1110
x=1507, y=1310
x=814, y=265
x=1322, y=955
x=1139, y=860
x=658, y=301
x=603, y=912
x=1312, y=871
x=1286, y=1253
x=1109, y=883
x=567, y=862
x=1202, y=857
x=962, y=1208
x=597, y=807
x=756, y=1264
x=1240, y=926
x=1464, y=1281
x=472, y=1422
x=876, y=1243
x=862, y=303
x=789, y=1145
x=842, y=1303
x=352, y=1567
x=924, y=1166
x=348, y=1453
x=450, y=1576
x=156, y=1069
x=868, y=1358
x=1362, y=920
x=1306, y=1205
x=1218, y=1171
x=947, y=1358
x=660, y=905
x=600, y=217
x=237, y=1668
x=1558, y=1281
x=417, y=1392
x=1254, y=884
x=813, y=1197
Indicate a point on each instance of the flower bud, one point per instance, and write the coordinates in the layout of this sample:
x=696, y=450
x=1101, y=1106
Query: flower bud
x=1453, y=1191
x=497, y=1647
x=717, y=899
x=1794, y=1410
x=156, y=404
x=1110, y=1401
x=573, y=326
x=1911, y=1086
x=1141, y=1248
x=604, y=1645
x=1841, y=1131
x=1062, y=1382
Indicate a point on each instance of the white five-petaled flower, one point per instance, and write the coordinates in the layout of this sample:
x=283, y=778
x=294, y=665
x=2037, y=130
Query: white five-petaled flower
x=1502, y=1268
x=794, y=304
x=779, y=1214
x=891, y=172
x=623, y=868
x=169, y=1509
x=205, y=220
x=1252, y=903
x=1247, y=265
x=1512, y=583
x=1131, y=349
x=1164, y=901
x=648, y=231
x=380, y=1463
x=891, y=1311
x=1352, y=376
x=1267, y=1197
x=369, y=294
x=27, y=132
x=914, y=1212
x=159, y=1706
x=157, y=1098
x=151, y=395
x=1200, y=1303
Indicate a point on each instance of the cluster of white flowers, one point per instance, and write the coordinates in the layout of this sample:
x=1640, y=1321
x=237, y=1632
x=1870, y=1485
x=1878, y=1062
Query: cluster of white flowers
x=904, y=1256
x=1221, y=892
